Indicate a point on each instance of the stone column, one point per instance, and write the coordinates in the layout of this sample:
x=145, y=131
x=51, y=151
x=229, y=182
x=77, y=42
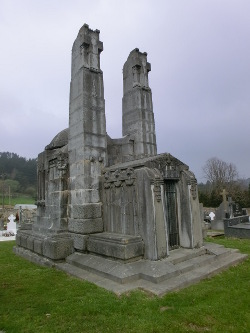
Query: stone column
x=137, y=107
x=87, y=133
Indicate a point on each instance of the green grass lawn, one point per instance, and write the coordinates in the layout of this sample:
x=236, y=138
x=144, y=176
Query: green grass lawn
x=20, y=199
x=38, y=299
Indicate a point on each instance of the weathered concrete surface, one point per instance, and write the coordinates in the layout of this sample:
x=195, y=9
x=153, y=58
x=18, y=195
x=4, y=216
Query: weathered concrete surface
x=114, y=198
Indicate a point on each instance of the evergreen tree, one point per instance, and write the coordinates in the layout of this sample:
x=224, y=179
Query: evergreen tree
x=18, y=171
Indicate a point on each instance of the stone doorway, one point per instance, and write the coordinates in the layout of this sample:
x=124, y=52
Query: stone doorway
x=172, y=214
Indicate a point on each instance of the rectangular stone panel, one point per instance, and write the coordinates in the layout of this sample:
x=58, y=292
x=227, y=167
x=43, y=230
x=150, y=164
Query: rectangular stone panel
x=89, y=211
x=24, y=241
x=58, y=248
x=38, y=246
x=80, y=241
x=78, y=196
x=30, y=243
x=18, y=239
x=85, y=226
x=118, y=246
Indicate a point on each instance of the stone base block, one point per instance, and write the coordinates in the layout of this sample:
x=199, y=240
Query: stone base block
x=23, y=240
x=85, y=226
x=86, y=211
x=18, y=239
x=117, y=246
x=58, y=247
x=80, y=242
x=25, y=226
x=30, y=243
x=38, y=246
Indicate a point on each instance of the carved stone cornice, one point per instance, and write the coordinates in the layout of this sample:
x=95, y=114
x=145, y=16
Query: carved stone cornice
x=119, y=178
x=60, y=162
x=40, y=203
x=193, y=189
x=168, y=166
x=158, y=182
x=191, y=180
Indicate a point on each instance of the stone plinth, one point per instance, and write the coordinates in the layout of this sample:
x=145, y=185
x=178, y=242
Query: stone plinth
x=117, y=246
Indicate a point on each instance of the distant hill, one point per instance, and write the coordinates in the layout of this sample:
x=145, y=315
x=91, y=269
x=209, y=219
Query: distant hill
x=18, y=172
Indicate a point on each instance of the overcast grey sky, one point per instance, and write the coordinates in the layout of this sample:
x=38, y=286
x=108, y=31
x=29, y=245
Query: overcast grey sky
x=199, y=51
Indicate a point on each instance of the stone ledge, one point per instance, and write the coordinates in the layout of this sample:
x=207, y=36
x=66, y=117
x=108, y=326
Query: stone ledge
x=33, y=257
x=85, y=226
x=157, y=277
x=117, y=246
x=56, y=247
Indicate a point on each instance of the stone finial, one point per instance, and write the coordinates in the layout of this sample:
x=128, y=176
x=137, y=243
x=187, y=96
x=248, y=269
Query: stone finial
x=86, y=50
x=135, y=70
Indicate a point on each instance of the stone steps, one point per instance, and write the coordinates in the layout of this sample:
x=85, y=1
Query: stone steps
x=182, y=268
x=154, y=271
x=180, y=255
x=196, y=275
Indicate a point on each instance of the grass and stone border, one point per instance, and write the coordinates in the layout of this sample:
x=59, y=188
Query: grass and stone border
x=39, y=299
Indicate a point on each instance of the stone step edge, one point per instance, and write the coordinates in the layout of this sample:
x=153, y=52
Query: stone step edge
x=189, y=278
x=176, y=258
x=106, y=268
x=173, y=284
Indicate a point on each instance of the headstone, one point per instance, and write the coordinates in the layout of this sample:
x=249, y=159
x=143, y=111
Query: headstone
x=224, y=196
x=230, y=203
x=222, y=211
x=11, y=226
x=212, y=215
x=237, y=210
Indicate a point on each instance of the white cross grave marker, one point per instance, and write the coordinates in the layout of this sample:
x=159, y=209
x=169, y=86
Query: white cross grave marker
x=212, y=215
x=11, y=226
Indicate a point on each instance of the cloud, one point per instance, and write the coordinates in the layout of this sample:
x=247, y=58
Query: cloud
x=199, y=52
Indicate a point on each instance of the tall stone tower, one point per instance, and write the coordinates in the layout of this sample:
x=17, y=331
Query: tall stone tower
x=137, y=107
x=87, y=133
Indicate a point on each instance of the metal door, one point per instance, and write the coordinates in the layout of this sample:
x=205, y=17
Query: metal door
x=172, y=216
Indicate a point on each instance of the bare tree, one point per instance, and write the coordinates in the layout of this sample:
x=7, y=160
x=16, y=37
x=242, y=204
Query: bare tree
x=220, y=174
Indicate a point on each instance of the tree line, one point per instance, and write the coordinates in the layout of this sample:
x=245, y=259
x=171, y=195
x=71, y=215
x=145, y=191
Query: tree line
x=18, y=174
x=222, y=175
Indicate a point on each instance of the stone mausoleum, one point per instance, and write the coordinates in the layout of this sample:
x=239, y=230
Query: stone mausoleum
x=113, y=202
